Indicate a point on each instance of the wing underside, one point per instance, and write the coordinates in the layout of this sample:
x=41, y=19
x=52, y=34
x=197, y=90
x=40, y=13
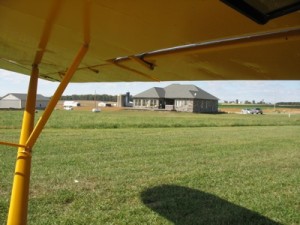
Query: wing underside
x=147, y=41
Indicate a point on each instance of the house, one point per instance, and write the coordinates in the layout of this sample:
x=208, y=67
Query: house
x=177, y=97
x=18, y=101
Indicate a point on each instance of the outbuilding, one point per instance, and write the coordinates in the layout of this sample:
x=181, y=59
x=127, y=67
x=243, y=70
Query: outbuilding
x=177, y=97
x=71, y=104
x=18, y=101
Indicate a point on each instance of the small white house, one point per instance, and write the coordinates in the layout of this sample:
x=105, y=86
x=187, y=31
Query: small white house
x=18, y=101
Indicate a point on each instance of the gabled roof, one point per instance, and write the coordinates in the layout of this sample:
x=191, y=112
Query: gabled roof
x=24, y=96
x=176, y=91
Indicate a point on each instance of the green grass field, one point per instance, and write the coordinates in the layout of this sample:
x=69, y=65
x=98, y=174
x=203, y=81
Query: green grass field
x=129, y=167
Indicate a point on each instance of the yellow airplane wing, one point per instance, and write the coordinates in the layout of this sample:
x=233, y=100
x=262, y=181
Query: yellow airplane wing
x=138, y=40
x=142, y=40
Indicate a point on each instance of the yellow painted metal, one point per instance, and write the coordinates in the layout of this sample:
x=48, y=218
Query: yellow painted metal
x=20, y=191
x=19, y=197
x=130, y=28
x=219, y=45
x=87, y=21
x=142, y=62
x=47, y=29
x=136, y=71
x=11, y=144
x=55, y=98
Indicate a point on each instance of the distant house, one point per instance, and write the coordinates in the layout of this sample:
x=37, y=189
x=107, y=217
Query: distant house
x=18, y=101
x=177, y=97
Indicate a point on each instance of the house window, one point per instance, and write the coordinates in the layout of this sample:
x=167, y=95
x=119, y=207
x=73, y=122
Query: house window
x=152, y=102
x=180, y=103
x=137, y=102
x=202, y=104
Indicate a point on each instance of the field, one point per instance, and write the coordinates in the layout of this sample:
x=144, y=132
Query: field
x=227, y=108
x=131, y=167
x=267, y=108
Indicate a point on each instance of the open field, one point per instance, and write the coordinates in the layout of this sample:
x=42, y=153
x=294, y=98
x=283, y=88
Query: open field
x=130, y=167
x=227, y=108
x=267, y=109
x=88, y=106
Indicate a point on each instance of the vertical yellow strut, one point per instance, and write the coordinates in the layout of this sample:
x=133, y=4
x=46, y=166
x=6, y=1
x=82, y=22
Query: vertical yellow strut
x=20, y=192
x=19, y=197
x=55, y=98
x=18, y=208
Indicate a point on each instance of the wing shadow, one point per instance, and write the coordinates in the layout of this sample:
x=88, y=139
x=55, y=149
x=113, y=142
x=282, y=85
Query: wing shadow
x=186, y=206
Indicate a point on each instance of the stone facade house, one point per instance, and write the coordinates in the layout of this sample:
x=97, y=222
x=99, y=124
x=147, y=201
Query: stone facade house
x=177, y=97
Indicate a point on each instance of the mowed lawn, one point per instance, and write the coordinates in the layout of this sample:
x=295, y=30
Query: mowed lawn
x=129, y=167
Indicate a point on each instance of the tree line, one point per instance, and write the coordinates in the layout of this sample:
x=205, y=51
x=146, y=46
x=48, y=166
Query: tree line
x=90, y=97
x=288, y=103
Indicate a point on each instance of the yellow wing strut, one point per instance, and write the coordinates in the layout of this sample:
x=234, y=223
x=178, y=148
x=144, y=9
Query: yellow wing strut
x=19, y=198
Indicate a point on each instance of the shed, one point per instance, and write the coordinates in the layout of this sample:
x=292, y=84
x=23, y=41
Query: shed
x=71, y=103
x=18, y=101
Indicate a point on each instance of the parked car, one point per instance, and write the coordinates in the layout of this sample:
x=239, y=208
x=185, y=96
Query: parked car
x=256, y=111
x=96, y=110
x=246, y=111
x=68, y=107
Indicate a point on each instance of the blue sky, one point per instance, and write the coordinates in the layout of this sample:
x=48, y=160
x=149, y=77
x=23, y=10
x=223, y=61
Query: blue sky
x=269, y=91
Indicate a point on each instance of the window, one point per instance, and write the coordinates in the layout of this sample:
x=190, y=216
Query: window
x=152, y=102
x=180, y=103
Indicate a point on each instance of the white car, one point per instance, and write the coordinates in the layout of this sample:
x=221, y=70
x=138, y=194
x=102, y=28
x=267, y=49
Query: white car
x=67, y=107
x=246, y=111
x=96, y=110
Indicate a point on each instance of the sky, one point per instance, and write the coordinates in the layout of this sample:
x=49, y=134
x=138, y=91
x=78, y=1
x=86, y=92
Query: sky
x=268, y=91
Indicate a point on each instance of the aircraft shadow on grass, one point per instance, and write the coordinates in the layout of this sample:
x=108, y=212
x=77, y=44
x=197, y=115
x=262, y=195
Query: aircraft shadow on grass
x=186, y=206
